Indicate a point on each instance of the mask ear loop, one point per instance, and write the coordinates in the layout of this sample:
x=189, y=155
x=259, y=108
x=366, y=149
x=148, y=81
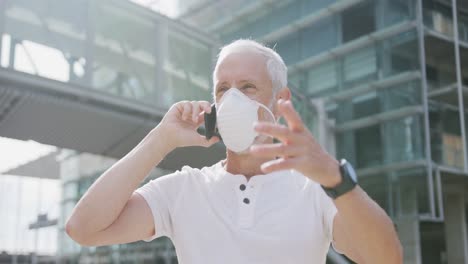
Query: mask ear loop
x=273, y=117
x=268, y=110
x=275, y=140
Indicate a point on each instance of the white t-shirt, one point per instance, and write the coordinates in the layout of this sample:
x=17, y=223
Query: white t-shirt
x=213, y=216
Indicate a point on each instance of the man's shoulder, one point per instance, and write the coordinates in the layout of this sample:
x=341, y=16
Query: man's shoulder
x=199, y=174
x=185, y=176
x=204, y=170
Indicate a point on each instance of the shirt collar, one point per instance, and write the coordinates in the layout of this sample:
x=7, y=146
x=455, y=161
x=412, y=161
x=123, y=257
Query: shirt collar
x=235, y=179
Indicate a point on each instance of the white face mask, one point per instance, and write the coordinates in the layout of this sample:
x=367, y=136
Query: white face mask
x=235, y=116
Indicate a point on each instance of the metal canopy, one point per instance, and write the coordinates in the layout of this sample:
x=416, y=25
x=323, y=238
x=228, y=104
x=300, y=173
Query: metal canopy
x=87, y=124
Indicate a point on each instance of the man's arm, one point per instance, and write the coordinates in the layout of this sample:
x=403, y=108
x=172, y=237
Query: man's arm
x=110, y=204
x=363, y=231
x=110, y=212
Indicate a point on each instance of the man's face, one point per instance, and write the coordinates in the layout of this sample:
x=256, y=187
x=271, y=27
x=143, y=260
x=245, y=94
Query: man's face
x=247, y=72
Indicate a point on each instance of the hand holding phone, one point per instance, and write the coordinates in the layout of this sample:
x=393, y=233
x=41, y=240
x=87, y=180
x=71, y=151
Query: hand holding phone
x=211, y=128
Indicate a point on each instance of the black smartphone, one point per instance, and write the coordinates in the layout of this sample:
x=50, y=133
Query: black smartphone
x=211, y=129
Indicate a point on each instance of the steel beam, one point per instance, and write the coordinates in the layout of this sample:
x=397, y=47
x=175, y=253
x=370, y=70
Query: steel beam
x=424, y=90
x=459, y=84
x=440, y=201
x=351, y=46
x=2, y=26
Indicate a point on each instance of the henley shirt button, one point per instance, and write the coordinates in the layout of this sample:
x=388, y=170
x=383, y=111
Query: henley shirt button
x=242, y=187
x=246, y=201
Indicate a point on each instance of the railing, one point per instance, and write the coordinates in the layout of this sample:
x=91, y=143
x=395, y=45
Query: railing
x=114, y=47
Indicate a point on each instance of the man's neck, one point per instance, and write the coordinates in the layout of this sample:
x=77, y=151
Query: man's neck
x=244, y=164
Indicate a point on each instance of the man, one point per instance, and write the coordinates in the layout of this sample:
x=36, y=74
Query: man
x=266, y=202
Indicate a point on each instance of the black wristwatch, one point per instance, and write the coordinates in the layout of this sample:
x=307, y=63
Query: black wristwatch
x=348, y=181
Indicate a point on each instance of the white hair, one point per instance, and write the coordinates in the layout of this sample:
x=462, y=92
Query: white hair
x=275, y=65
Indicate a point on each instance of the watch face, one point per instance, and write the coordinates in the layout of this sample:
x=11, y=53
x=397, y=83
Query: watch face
x=351, y=172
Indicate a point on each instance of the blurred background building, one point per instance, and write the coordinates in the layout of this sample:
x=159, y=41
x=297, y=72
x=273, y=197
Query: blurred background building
x=382, y=83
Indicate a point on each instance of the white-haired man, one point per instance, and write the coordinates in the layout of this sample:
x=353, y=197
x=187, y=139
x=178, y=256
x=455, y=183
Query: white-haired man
x=266, y=202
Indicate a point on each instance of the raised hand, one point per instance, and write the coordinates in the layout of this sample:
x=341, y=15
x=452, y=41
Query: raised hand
x=297, y=150
x=181, y=122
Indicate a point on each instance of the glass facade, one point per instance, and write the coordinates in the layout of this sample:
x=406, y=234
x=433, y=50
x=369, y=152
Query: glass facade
x=374, y=80
x=78, y=172
x=392, y=76
x=116, y=47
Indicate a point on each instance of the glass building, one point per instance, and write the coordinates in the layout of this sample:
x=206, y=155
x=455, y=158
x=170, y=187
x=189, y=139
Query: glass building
x=70, y=71
x=78, y=171
x=382, y=83
x=390, y=77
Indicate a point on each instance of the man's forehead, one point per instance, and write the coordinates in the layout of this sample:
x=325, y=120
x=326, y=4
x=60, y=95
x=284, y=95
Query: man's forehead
x=247, y=64
x=243, y=56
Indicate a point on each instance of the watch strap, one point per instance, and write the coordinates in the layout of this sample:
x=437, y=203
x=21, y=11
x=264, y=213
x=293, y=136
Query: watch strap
x=346, y=184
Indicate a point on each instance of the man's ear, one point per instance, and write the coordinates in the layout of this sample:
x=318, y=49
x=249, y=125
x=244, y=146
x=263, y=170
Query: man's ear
x=284, y=94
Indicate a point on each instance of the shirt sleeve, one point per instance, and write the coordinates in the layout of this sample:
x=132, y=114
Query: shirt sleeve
x=161, y=195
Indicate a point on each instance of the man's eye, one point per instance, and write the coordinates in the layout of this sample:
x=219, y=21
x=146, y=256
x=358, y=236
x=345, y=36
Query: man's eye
x=222, y=89
x=247, y=86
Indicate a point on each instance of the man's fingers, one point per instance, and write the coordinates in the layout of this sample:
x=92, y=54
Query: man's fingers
x=192, y=109
x=200, y=119
x=195, y=111
x=187, y=110
x=202, y=108
x=291, y=115
x=278, y=131
x=276, y=150
x=205, y=106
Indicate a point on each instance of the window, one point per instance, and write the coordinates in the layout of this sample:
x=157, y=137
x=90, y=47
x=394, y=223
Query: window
x=365, y=105
x=322, y=77
x=368, y=146
x=360, y=65
x=319, y=37
x=289, y=48
x=401, y=63
x=358, y=21
x=401, y=95
x=403, y=139
x=395, y=11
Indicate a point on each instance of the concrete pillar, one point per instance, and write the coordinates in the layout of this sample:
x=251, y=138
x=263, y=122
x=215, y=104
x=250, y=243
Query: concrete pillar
x=407, y=225
x=456, y=238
